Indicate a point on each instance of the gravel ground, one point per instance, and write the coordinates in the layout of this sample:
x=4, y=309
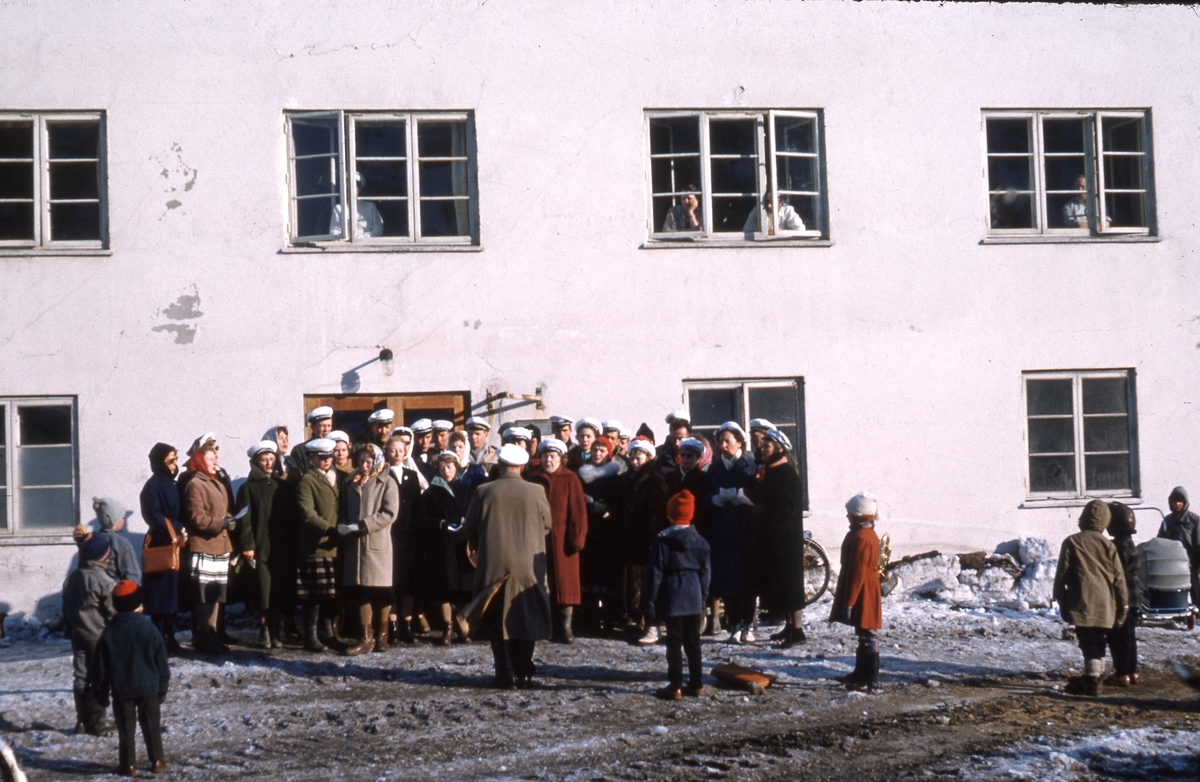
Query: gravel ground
x=968, y=694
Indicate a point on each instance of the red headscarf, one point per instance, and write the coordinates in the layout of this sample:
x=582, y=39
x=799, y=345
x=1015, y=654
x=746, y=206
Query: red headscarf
x=197, y=461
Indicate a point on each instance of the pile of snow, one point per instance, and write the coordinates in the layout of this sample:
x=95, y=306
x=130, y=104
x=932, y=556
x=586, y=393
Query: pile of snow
x=1019, y=574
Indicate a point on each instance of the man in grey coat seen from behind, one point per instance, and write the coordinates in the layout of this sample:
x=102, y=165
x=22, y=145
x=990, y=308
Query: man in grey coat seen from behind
x=512, y=518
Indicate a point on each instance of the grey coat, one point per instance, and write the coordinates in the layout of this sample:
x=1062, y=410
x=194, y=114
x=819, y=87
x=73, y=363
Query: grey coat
x=374, y=504
x=512, y=518
x=87, y=602
x=124, y=562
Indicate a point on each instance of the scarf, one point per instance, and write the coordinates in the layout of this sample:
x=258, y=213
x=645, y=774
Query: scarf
x=440, y=481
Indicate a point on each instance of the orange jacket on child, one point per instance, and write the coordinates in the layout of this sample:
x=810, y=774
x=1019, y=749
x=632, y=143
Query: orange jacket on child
x=857, y=597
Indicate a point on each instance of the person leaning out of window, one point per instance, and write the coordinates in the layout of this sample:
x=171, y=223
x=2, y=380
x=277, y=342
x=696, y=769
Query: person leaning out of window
x=686, y=215
x=788, y=219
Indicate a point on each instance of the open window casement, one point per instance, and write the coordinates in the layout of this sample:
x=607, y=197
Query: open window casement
x=1123, y=172
x=794, y=152
x=445, y=184
x=316, y=141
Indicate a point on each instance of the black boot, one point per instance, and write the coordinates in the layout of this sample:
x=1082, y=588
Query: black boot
x=290, y=631
x=311, y=642
x=223, y=636
x=852, y=679
x=81, y=714
x=873, y=675
x=406, y=632
x=326, y=631
x=793, y=637
x=393, y=632
x=98, y=723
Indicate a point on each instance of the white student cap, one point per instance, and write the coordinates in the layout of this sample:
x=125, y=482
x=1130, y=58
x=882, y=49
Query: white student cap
x=322, y=446
x=553, y=444
x=338, y=436
x=559, y=420
x=760, y=425
x=198, y=443
x=476, y=422
x=518, y=433
x=682, y=416
x=641, y=444
x=262, y=446
x=691, y=444
x=779, y=437
x=399, y=430
x=614, y=424
x=442, y=425
x=733, y=426
x=383, y=416
x=513, y=454
x=593, y=423
x=319, y=414
x=422, y=426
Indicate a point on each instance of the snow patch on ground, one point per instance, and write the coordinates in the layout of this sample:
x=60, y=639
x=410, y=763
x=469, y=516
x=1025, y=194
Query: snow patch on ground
x=1144, y=753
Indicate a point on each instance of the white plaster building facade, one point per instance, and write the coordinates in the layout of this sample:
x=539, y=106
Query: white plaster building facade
x=162, y=278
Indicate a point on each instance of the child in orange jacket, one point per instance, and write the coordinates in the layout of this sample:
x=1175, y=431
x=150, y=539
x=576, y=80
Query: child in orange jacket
x=857, y=600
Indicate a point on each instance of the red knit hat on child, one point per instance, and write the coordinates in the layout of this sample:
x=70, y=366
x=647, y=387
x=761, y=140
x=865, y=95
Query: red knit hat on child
x=681, y=508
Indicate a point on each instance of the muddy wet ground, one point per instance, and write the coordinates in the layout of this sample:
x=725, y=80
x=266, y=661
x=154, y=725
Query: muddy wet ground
x=968, y=695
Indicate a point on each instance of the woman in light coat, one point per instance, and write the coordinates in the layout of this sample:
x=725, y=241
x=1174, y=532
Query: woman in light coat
x=370, y=503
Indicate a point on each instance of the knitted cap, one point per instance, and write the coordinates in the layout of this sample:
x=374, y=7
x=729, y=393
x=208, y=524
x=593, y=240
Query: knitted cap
x=93, y=547
x=127, y=595
x=681, y=507
x=108, y=511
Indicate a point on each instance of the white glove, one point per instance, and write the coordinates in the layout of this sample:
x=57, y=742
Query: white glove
x=349, y=529
x=719, y=500
x=742, y=499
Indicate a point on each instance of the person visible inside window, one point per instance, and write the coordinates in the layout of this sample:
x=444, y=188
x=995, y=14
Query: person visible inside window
x=370, y=223
x=1075, y=211
x=788, y=219
x=686, y=215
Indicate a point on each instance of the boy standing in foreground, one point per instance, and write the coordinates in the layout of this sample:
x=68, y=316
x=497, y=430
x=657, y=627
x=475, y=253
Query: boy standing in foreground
x=131, y=663
x=87, y=606
x=677, y=584
x=858, y=601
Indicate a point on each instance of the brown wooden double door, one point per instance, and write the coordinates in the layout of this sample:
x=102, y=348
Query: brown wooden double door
x=350, y=411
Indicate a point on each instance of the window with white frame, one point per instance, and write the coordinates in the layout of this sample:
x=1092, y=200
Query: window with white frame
x=1082, y=434
x=38, y=465
x=52, y=181
x=406, y=178
x=1068, y=173
x=735, y=175
x=779, y=400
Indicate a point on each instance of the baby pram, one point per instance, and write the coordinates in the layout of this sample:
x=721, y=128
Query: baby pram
x=1168, y=593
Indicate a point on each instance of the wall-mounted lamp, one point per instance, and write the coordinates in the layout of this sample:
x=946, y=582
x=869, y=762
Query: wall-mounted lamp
x=388, y=360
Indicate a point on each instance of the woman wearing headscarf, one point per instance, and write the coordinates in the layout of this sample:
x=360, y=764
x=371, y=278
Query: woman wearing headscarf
x=160, y=510
x=406, y=560
x=267, y=534
x=605, y=490
x=645, y=517
x=732, y=530
x=370, y=502
x=568, y=533
x=779, y=505
x=341, y=455
x=209, y=524
x=449, y=575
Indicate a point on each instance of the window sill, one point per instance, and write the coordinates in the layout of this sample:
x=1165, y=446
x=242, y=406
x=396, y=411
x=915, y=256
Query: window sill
x=700, y=243
x=380, y=248
x=1075, y=502
x=1041, y=239
x=36, y=539
x=64, y=252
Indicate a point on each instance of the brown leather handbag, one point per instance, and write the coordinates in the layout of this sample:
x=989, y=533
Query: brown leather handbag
x=161, y=559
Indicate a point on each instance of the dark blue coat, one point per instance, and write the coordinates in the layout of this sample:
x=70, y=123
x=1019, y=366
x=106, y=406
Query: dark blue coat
x=160, y=501
x=732, y=529
x=679, y=573
x=130, y=660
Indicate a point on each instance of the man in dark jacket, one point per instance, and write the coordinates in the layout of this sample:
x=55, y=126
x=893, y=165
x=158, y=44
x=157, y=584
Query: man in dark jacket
x=130, y=664
x=1184, y=526
x=680, y=425
x=1122, y=640
x=677, y=583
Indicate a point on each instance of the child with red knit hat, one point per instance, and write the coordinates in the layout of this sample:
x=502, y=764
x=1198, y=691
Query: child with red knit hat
x=677, y=584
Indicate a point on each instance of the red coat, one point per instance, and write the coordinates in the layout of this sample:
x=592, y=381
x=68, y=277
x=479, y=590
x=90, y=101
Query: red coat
x=857, y=594
x=568, y=531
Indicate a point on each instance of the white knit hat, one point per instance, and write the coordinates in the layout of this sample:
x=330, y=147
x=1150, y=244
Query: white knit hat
x=863, y=504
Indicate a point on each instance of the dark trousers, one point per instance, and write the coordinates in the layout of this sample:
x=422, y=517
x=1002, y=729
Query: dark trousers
x=513, y=659
x=1122, y=642
x=128, y=714
x=1092, y=642
x=683, y=635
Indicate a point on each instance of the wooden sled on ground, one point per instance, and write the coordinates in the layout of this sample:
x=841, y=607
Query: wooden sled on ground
x=739, y=677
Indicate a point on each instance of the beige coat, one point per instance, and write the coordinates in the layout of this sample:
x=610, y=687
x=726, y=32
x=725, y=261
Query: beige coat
x=1090, y=582
x=512, y=518
x=374, y=504
x=207, y=506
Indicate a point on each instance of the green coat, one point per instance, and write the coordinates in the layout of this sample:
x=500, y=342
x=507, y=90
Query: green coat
x=317, y=501
x=1090, y=582
x=269, y=529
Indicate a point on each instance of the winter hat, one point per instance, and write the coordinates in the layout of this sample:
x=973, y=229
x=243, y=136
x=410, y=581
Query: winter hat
x=1123, y=521
x=93, y=547
x=1095, y=516
x=863, y=504
x=606, y=441
x=681, y=508
x=645, y=431
x=692, y=444
x=108, y=512
x=127, y=596
x=513, y=455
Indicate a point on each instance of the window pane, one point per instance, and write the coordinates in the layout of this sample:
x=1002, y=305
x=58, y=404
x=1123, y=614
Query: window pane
x=1012, y=210
x=795, y=134
x=43, y=508
x=315, y=136
x=441, y=139
x=45, y=425
x=16, y=139
x=1051, y=435
x=1049, y=397
x=395, y=217
x=74, y=140
x=314, y=216
x=1106, y=433
x=382, y=178
x=74, y=180
x=674, y=135
x=796, y=173
x=715, y=406
x=448, y=178
x=16, y=222
x=16, y=180
x=1009, y=173
x=806, y=209
x=1126, y=210
x=1065, y=210
x=732, y=137
x=734, y=176
x=317, y=176
x=1063, y=172
x=1063, y=135
x=44, y=466
x=1008, y=135
x=1124, y=172
x=1106, y=473
x=379, y=139
x=1105, y=395
x=445, y=218
x=1051, y=473
x=729, y=214
x=777, y=405
x=674, y=175
x=1123, y=134
x=74, y=222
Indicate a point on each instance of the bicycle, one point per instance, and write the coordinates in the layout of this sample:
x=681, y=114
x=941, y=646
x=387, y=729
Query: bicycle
x=816, y=570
